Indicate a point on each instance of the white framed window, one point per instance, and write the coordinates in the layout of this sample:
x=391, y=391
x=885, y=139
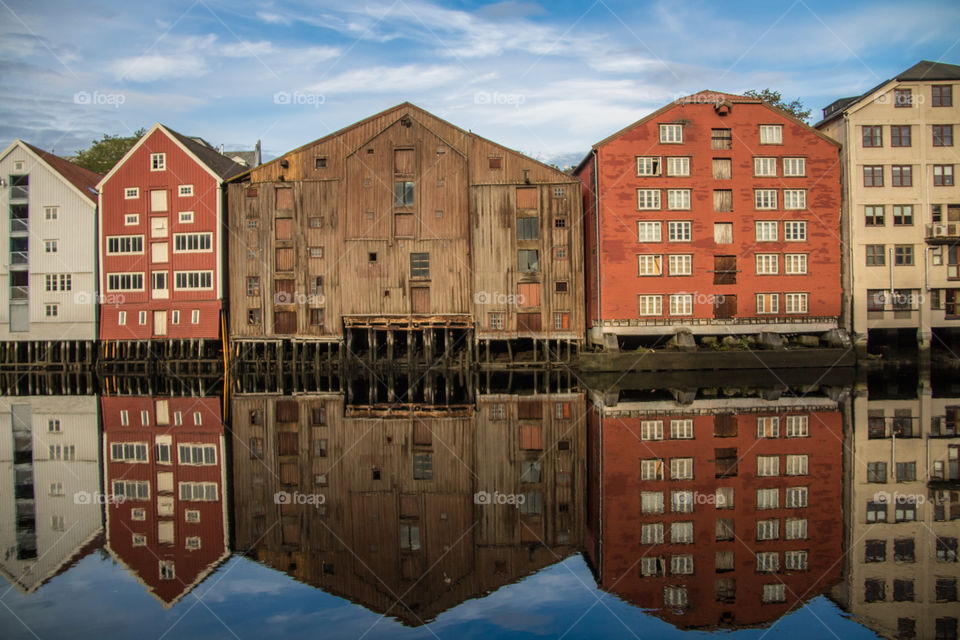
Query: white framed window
x=794, y=167
x=764, y=167
x=768, y=498
x=122, y=318
x=651, y=429
x=671, y=133
x=678, y=199
x=56, y=488
x=131, y=193
x=651, y=469
x=681, y=429
x=51, y=310
x=794, y=198
x=197, y=454
x=138, y=515
x=764, y=199
x=797, y=426
x=317, y=252
x=650, y=265
x=128, y=451
x=795, y=529
x=185, y=217
x=724, y=497
x=768, y=529
x=796, y=497
x=795, y=264
x=771, y=134
x=195, y=316
x=768, y=466
x=191, y=280
x=199, y=491
x=167, y=571
x=774, y=593
x=145, y=418
x=125, y=282
x=124, y=418
x=197, y=418
x=680, y=264
x=651, y=533
x=193, y=242
x=768, y=426
x=185, y=190
x=191, y=515
x=175, y=316
x=131, y=219
x=681, y=533
x=681, y=304
x=53, y=425
x=681, y=501
x=158, y=161
x=674, y=596
x=178, y=418
x=796, y=302
x=681, y=468
x=678, y=166
x=766, y=230
x=132, y=489
x=795, y=230
x=797, y=464
x=121, y=245
x=651, y=501
x=681, y=565
x=768, y=264
x=648, y=231
x=192, y=543
x=679, y=231
x=49, y=246
x=648, y=199
x=651, y=566
x=795, y=560
x=768, y=561
x=51, y=213
x=768, y=303
x=142, y=318
x=650, y=305
x=648, y=166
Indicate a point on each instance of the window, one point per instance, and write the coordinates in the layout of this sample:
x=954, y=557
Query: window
x=679, y=166
x=679, y=231
x=681, y=469
x=680, y=264
x=875, y=551
x=901, y=175
x=768, y=498
x=903, y=550
x=768, y=529
x=131, y=193
x=765, y=199
x=158, y=161
x=768, y=466
x=192, y=242
x=768, y=427
x=187, y=280
x=651, y=429
x=131, y=219
x=797, y=426
x=651, y=566
x=528, y=228
x=648, y=166
x=671, y=133
x=724, y=529
x=795, y=560
x=253, y=285
x=681, y=501
x=903, y=255
x=681, y=564
x=186, y=217
x=721, y=139
x=674, y=596
x=495, y=320
x=648, y=231
x=528, y=260
x=199, y=491
x=559, y=253
x=681, y=304
x=651, y=501
x=946, y=549
x=774, y=593
x=768, y=303
x=876, y=512
x=943, y=135
x=723, y=200
x=873, y=215
x=873, y=175
x=423, y=466
x=903, y=214
x=794, y=167
x=124, y=244
x=763, y=167
x=768, y=263
x=53, y=425
x=651, y=305
x=795, y=529
x=403, y=194
x=58, y=282
x=651, y=533
x=131, y=489
x=876, y=255
x=794, y=198
x=650, y=265
x=495, y=162
x=124, y=282
x=128, y=451
x=946, y=590
x=795, y=263
x=795, y=230
x=768, y=561
x=942, y=176
x=796, y=497
x=648, y=199
x=796, y=302
x=771, y=134
x=724, y=497
x=905, y=511
x=561, y=286
x=902, y=97
x=900, y=135
x=678, y=198
x=560, y=222
x=942, y=95
x=185, y=190
x=766, y=230
x=681, y=429
x=651, y=469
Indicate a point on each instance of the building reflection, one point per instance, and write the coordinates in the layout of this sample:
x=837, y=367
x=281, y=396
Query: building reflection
x=409, y=498
x=715, y=506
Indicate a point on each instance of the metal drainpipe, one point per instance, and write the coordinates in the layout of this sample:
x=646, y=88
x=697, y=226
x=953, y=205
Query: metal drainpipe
x=596, y=217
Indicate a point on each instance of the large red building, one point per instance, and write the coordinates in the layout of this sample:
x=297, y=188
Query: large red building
x=161, y=242
x=717, y=214
x=165, y=457
x=712, y=518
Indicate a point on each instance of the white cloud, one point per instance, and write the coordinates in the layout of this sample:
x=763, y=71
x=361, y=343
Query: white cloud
x=406, y=78
x=151, y=68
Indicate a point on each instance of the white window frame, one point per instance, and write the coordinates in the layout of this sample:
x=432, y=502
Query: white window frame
x=135, y=276
x=185, y=190
x=198, y=236
x=768, y=264
x=681, y=304
x=794, y=167
x=768, y=529
x=120, y=240
x=776, y=592
x=187, y=274
x=768, y=426
x=644, y=229
x=680, y=264
x=651, y=502
x=651, y=533
x=795, y=560
x=796, y=529
x=51, y=213
x=649, y=264
x=795, y=199
x=798, y=464
x=768, y=561
x=679, y=231
x=797, y=426
x=678, y=199
x=671, y=134
x=681, y=468
x=765, y=199
x=795, y=230
x=797, y=497
x=771, y=134
x=765, y=167
x=762, y=229
x=650, y=305
x=648, y=166
x=651, y=469
x=681, y=501
x=651, y=429
x=768, y=498
x=681, y=429
x=796, y=303
x=795, y=264
x=768, y=466
x=131, y=193
x=185, y=217
x=678, y=166
x=158, y=162
x=131, y=219
x=768, y=303
x=681, y=564
x=648, y=199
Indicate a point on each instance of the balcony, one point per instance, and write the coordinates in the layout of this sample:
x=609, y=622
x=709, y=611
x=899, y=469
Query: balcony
x=19, y=293
x=19, y=192
x=19, y=258
x=19, y=225
x=942, y=232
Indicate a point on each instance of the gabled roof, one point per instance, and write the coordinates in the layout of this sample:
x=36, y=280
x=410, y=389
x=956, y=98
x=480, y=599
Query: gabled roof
x=83, y=180
x=925, y=70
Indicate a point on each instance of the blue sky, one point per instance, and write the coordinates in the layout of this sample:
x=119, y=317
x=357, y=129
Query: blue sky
x=546, y=78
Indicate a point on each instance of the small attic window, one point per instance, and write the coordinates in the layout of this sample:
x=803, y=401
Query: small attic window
x=722, y=108
x=496, y=162
x=370, y=151
x=320, y=163
x=18, y=165
x=252, y=192
x=441, y=150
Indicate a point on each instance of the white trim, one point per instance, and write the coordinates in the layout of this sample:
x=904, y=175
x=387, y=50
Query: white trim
x=157, y=126
x=23, y=145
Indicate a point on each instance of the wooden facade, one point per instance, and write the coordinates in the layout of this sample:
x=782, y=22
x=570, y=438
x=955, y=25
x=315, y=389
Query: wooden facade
x=399, y=528
x=404, y=222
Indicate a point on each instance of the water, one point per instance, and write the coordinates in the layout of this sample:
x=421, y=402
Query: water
x=474, y=506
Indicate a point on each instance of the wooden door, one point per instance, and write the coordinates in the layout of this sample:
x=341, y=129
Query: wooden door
x=159, y=323
x=724, y=269
x=420, y=299
x=528, y=321
x=724, y=306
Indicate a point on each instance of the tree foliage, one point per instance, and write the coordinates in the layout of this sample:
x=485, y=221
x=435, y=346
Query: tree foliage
x=106, y=152
x=795, y=108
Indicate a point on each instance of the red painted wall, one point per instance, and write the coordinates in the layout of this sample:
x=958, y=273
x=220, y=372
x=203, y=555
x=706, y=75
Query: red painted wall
x=135, y=171
x=618, y=184
x=145, y=560
x=621, y=516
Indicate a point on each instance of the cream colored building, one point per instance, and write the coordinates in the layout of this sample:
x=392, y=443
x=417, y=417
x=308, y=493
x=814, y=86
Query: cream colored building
x=901, y=570
x=902, y=200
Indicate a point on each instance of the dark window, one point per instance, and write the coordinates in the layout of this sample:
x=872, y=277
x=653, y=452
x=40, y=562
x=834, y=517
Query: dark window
x=721, y=139
x=320, y=163
x=423, y=466
x=873, y=175
x=876, y=472
x=903, y=214
x=874, y=590
x=316, y=317
x=942, y=95
x=943, y=135
x=946, y=589
x=528, y=228
x=903, y=590
x=906, y=628
x=560, y=223
x=528, y=260
x=873, y=215
x=726, y=462
x=902, y=98
x=561, y=286
x=495, y=163
x=254, y=316
x=403, y=194
x=946, y=629
x=876, y=255
x=901, y=175
x=903, y=550
x=873, y=136
x=943, y=175
x=724, y=425
x=946, y=549
x=903, y=255
x=419, y=265
x=906, y=471
x=876, y=512
x=900, y=135
x=876, y=551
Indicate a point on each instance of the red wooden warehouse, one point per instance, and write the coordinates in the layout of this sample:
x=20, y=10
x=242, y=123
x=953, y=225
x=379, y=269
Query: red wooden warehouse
x=161, y=243
x=717, y=214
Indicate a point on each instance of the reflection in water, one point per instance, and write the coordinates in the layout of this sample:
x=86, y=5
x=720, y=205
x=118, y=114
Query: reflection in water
x=708, y=506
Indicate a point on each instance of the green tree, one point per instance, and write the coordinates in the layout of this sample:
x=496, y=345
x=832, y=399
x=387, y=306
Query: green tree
x=795, y=108
x=106, y=152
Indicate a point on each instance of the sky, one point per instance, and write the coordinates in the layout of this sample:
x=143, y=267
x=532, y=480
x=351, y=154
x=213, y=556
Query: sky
x=548, y=78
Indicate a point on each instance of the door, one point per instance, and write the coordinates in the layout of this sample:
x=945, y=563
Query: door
x=158, y=252
x=528, y=321
x=420, y=299
x=165, y=532
x=159, y=323
x=953, y=462
x=724, y=269
x=724, y=306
